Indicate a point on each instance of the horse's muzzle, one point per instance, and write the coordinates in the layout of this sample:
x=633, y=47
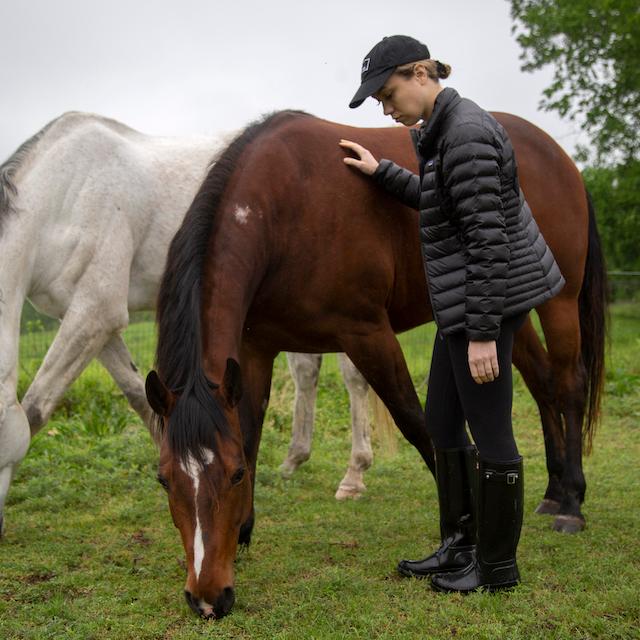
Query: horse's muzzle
x=218, y=609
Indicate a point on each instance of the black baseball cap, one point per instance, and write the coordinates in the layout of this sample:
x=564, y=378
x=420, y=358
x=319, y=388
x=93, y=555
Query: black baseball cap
x=382, y=60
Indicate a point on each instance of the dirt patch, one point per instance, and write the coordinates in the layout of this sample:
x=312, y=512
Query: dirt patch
x=347, y=544
x=140, y=537
x=36, y=578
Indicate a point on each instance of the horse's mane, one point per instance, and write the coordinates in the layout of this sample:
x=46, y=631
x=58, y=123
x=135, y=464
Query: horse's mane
x=196, y=417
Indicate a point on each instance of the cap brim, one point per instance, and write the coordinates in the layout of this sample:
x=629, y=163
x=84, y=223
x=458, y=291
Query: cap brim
x=370, y=86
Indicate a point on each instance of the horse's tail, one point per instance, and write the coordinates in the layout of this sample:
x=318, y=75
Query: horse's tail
x=383, y=425
x=8, y=188
x=8, y=170
x=594, y=319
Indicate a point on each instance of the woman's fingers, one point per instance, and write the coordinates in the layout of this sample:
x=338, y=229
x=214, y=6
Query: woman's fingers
x=495, y=369
x=365, y=160
x=481, y=373
x=483, y=361
x=354, y=146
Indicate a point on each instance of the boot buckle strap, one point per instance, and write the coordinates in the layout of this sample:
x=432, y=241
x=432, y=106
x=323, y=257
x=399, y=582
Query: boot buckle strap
x=510, y=476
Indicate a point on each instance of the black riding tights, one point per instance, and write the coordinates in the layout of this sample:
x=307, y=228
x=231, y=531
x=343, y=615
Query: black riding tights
x=453, y=396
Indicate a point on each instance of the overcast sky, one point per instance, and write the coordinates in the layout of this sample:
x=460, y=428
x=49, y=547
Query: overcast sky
x=189, y=67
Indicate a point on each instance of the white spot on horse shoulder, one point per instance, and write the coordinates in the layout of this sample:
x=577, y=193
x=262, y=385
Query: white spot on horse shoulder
x=241, y=214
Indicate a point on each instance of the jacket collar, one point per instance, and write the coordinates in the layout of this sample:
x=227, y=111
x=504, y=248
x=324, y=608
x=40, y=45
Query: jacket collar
x=429, y=131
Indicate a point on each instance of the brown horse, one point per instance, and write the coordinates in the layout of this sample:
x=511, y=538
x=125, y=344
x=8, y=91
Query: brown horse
x=286, y=249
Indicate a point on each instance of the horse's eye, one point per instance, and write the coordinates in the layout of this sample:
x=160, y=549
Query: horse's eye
x=237, y=476
x=164, y=482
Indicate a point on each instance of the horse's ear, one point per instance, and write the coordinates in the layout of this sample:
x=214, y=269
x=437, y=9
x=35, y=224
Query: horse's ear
x=232, y=383
x=158, y=395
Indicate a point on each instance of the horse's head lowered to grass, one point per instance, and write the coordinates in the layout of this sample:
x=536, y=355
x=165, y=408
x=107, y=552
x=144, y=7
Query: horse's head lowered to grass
x=207, y=454
x=204, y=472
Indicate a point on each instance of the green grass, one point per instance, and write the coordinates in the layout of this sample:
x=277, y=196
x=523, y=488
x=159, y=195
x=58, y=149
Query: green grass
x=90, y=550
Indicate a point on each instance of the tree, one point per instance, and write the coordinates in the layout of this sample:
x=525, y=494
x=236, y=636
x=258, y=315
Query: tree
x=616, y=197
x=594, y=46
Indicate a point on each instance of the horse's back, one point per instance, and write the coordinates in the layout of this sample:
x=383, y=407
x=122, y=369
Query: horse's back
x=96, y=190
x=337, y=241
x=343, y=242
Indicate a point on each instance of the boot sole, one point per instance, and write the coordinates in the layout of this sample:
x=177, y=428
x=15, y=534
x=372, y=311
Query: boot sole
x=407, y=573
x=488, y=588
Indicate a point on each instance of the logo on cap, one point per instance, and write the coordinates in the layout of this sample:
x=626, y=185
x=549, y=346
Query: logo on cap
x=365, y=64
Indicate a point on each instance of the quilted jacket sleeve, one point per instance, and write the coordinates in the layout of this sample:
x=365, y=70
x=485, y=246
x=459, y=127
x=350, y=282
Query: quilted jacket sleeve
x=471, y=173
x=400, y=182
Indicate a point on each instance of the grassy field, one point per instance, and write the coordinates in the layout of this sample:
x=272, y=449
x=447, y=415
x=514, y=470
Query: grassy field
x=90, y=550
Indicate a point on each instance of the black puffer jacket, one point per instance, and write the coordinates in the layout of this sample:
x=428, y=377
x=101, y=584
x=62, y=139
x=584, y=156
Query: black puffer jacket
x=484, y=257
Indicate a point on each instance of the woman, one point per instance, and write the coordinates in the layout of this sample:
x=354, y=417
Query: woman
x=487, y=265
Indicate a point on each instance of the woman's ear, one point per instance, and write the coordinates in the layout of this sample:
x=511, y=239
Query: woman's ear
x=420, y=73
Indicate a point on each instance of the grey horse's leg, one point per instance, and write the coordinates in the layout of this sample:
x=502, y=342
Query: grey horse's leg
x=117, y=360
x=305, y=369
x=352, y=485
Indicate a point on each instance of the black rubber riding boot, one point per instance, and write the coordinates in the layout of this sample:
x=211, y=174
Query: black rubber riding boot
x=455, y=468
x=498, y=520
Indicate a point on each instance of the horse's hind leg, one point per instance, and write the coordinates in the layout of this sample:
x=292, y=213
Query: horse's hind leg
x=14, y=442
x=305, y=369
x=117, y=360
x=532, y=360
x=379, y=358
x=560, y=322
x=352, y=485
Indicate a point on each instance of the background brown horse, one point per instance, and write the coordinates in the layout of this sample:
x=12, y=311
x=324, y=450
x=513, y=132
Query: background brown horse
x=285, y=248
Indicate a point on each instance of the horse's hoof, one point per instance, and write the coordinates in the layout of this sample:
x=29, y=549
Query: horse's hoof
x=548, y=507
x=353, y=493
x=569, y=524
x=287, y=470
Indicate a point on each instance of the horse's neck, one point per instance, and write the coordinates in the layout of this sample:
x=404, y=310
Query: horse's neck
x=229, y=283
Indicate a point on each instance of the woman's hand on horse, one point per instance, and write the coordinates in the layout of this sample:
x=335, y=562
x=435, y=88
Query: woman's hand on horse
x=365, y=160
x=483, y=361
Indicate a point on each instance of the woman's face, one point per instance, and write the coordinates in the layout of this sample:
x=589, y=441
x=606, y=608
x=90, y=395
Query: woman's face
x=408, y=100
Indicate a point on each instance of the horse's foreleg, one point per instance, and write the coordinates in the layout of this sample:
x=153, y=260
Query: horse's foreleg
x=81, y=336
x=117, y=360
x=379, y=358
x=257, y=368
x=305, y=368
x=561, y=325
x=352, y=485
x=532, y=360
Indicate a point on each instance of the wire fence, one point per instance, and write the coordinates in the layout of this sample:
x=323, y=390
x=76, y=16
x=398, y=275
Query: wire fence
x=38, y=332
x=624, y=286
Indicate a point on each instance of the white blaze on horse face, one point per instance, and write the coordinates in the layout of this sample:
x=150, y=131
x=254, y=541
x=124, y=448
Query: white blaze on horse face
x=241, y=214
x=193, y=470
